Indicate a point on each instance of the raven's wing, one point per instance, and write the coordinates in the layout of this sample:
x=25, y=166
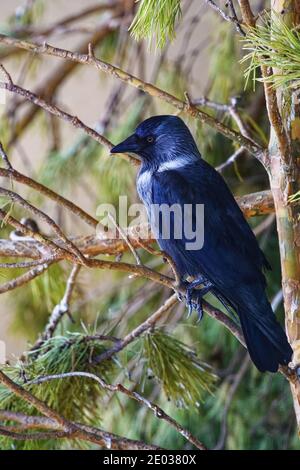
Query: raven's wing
x=230, y=254
x=230, y=258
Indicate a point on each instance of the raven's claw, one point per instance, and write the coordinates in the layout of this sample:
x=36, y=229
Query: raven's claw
x=200, y=312
x=194, y=296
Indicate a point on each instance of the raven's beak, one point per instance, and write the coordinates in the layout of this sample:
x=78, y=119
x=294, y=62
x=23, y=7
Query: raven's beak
x=128, y=145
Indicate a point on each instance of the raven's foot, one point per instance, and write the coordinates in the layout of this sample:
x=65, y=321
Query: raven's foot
x=194, y=297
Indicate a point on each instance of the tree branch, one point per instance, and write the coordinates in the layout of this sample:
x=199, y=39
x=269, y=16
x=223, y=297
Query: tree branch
x=15, y=175
x=156, y=410
x=90, y=59
x=78, y=431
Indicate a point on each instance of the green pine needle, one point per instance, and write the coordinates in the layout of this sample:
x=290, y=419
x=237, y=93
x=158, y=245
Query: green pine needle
x=274, y=45
x=74, y=398
x=155, y=20
x=183, y=377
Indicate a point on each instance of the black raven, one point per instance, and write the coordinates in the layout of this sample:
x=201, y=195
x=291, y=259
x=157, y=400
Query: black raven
x=230, y=262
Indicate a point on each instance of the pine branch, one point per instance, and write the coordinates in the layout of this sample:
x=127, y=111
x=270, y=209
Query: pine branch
x=156, y=410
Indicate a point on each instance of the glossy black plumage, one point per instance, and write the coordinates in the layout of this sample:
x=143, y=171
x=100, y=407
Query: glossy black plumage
x=173, y=172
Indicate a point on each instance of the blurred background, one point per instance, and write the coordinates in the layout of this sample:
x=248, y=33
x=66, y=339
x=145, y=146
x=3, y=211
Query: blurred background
x=246, y=410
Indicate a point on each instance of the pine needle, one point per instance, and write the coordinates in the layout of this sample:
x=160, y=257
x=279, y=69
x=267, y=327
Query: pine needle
x=155, y=20
x=183, y=377
x=76, y=399
x=273, y=44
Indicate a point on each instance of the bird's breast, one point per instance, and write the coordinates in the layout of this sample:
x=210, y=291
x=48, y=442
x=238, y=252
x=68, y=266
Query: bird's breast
x=144, y=186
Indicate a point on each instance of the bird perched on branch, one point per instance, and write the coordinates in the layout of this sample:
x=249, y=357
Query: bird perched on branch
x=227, y=261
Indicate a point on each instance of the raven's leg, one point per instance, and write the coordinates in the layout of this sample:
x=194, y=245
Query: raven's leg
x=190, y=285
x=186, y=285
x=191, y=292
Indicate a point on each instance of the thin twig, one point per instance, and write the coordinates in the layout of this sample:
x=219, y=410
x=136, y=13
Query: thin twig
x=98, y=8
x=134, y=334
x=232, y=19
x=53, y=249
x=62, y=308
x=24, y=278
x=230, y=160
x=5, y=158
x=236, y=21
x=56, y=78
x=126, y=239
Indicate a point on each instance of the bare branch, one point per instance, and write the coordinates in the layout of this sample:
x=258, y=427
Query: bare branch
x=98, y=8
x=55, y=79
x=27, y=422
x=55, y=251
x=126, y=239
x=43, y=216
x=252, y=205
x=56, y=111
x=232, y=19
x=230, y=160
x=90, y=59
x=24, y=278
x=20, y=178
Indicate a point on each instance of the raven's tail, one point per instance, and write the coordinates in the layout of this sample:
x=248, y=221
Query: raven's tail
x=265, y=338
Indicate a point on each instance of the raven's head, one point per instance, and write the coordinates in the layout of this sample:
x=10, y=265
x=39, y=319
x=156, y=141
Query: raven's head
x=158, y=139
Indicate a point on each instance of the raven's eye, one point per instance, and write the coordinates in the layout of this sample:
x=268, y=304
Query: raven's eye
x=150, y=139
